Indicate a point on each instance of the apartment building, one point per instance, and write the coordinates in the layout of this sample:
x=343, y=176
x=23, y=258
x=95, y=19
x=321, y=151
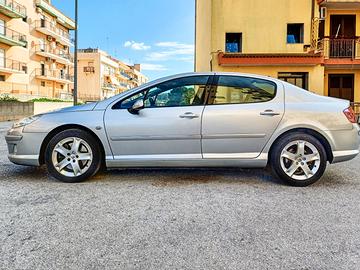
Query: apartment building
x=314, y=44
x=101, y=76
x=35, y=59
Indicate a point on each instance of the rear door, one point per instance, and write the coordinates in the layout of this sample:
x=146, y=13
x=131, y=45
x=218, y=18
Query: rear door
x=241, y=115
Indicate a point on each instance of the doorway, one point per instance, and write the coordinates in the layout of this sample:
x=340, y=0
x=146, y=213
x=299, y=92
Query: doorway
x=342, y=36
x=342, y=86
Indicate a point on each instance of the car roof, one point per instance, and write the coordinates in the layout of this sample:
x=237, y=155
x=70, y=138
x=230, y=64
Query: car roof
x=105, y=103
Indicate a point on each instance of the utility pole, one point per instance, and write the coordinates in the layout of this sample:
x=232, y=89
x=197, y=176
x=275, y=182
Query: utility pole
x=76, y=56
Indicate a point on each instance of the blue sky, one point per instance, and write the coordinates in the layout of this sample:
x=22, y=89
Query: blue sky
x=159, y=34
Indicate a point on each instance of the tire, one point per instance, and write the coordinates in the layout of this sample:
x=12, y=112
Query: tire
x=69, y=162
x=299, y=159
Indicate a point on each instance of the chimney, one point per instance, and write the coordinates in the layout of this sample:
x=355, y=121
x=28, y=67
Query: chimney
x=137, y=67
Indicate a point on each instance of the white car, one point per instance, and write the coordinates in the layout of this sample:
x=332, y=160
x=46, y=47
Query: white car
x=194, y=120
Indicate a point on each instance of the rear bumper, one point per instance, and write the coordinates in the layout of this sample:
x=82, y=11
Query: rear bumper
x=340, y=156
x=346, y=144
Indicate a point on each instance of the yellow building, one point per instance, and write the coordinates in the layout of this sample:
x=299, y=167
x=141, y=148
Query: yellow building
x=101, y=76
x=314, y=44
x=35, y=59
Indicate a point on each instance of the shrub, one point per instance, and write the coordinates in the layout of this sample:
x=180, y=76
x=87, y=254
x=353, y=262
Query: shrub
x=7, y=98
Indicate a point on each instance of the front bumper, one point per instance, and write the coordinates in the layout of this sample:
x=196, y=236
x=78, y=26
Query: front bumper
x=24, y=148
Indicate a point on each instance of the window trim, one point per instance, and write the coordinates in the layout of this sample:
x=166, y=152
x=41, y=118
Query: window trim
x=302, y=33
x=215, y=85
x=204, y=101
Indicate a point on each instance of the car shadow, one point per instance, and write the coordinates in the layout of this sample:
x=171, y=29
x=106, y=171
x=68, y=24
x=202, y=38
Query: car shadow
x=167, y=177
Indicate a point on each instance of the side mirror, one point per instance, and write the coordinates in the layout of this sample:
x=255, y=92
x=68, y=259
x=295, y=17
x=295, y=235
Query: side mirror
x=136, y=107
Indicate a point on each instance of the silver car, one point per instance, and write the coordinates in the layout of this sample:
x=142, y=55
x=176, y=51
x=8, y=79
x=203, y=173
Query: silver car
x=193, y=120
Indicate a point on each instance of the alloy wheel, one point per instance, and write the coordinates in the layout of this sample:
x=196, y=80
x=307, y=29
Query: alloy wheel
x=300, y=160
x=72, y=156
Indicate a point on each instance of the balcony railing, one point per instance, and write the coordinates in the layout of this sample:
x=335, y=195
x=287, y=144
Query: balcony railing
x=356, y=108
x=109, y=86
x=56, y=53
x=12, y=37
x=54, y=75
x=52, y=29
x=13, y=65
x=12, y=9
x=340, y=47
x=13, y=88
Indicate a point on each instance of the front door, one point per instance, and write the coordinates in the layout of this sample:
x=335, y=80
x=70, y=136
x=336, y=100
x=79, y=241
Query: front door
x=167, y=128
x=341, y=86
x=241, y=115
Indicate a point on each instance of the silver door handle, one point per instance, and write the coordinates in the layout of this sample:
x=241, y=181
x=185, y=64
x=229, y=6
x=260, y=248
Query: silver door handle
x=269, y=113
x=189, y=115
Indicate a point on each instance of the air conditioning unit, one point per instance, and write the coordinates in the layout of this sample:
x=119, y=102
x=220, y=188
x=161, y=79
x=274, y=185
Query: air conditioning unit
x=323, y=13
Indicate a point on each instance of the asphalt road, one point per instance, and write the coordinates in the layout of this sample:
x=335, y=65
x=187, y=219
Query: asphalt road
x=178, y=219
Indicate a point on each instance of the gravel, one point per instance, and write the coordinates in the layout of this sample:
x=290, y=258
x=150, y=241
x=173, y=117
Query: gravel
x=178, y=219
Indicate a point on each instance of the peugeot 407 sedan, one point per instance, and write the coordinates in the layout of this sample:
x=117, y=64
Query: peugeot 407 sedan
x=193, y=120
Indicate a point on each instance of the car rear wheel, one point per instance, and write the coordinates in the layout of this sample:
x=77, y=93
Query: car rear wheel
x=299, y=159
x=73, y=156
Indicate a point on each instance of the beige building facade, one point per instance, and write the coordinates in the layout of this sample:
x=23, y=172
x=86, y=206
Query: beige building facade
x=35, y=58
x=101, y=76
x=314, y=44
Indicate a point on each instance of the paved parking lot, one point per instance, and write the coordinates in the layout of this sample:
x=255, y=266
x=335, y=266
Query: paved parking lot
x=178, y=219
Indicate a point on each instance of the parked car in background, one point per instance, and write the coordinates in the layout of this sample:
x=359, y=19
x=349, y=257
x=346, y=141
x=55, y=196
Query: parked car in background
x=194, y=120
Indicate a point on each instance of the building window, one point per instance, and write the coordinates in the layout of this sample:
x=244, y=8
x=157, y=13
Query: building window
x=295, y=33
x=2, y=78
x=233, y=42
x=299, y=79
x=42, y=83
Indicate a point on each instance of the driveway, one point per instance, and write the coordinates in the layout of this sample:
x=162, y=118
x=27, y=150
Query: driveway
x=178, y=219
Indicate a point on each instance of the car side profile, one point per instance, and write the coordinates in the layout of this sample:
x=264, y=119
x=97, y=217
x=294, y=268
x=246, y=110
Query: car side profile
x=194, y=120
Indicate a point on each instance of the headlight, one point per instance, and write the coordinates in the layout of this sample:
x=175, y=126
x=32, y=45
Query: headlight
x=26, y=121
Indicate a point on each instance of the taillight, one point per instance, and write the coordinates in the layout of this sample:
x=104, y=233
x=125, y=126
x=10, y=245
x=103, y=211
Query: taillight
x=350, y=115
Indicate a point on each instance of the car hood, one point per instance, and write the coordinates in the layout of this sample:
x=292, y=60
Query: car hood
x=78, y=108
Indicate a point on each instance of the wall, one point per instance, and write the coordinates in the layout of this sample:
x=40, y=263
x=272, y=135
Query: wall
x=43, y=107
x=15, y=110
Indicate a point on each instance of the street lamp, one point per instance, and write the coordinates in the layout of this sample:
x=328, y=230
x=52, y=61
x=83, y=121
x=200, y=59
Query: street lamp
x=76, y=54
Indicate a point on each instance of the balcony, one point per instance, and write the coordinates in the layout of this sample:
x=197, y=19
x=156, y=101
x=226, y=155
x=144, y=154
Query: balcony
x=110, y=86
x=340, y=51
x=61, y=18
x=12, y=9
x=50, y=29
x=53, y=75
x=11, y=37
x=10, y=66
x=340, y=4
x=58, y=55
x=13, y=88
x=356, y=108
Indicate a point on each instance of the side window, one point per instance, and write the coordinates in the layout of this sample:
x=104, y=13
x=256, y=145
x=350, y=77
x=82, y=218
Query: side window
x=187, y=91
x=239, y=90
x=129, y=102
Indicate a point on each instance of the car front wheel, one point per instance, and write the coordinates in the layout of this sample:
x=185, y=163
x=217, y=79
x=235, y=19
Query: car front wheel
x=299, y=159
x=73, y=156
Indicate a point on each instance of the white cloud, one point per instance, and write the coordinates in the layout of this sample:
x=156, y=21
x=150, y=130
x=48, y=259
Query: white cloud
x=138, y=46
x=152, y=67
x=171, y=51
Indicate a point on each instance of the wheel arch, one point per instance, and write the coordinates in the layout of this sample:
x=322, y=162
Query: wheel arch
x=323, y=140
x=61, y=128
